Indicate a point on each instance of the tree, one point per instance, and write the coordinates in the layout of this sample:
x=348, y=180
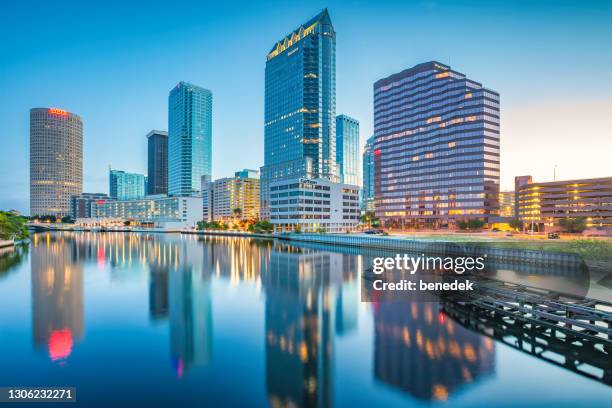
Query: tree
x=13, y=227
x=516, y=224
x=475, y=224
x=369, y=217
x=263, y=226
x=237, y=212
x=67, y=219
x=571, y=224
x=44, y=218
x=462, y=224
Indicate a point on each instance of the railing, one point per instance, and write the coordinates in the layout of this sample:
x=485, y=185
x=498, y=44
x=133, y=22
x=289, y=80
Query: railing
x=442, y=248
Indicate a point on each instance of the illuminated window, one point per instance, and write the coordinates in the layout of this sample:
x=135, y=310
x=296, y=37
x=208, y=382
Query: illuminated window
x=452, y=144
x=415, y=158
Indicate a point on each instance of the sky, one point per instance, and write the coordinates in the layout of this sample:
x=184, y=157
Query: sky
x=113, y=63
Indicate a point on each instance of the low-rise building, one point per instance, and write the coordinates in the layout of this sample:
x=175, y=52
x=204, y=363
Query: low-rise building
x=159, y=212
x=80, y=205
x=545, y=204
x=313, y=205
x=236, y=197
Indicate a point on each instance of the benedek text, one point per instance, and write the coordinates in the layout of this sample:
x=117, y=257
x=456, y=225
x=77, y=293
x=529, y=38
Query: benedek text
x=422, y=285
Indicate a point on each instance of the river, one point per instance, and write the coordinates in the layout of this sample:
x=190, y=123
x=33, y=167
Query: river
x=182, y=320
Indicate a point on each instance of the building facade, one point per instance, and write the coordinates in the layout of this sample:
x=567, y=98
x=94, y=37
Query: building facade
x=157, y=162
x=300, y=106
x=207, y=193
x=367, y=192
x=236, y=197
x=312, y=205
x=436, y=152
x=347, y=149
x=80, y=205
x=56, y=160
x=161, y=212
x=545, y=204
x=506, y=204
x=189, y=138
x=519, y=182
x=126, y=186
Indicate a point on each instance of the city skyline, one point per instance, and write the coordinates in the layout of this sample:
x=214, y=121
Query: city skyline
x=534, y=88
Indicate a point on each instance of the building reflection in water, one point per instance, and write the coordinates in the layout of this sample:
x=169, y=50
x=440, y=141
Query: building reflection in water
x=57, y=295
x=190, y=309
x=347, y=303
x=158, y=292
x=301, y=286
x=417, y=349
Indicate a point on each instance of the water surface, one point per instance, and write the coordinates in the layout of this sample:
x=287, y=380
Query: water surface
x=175, y=320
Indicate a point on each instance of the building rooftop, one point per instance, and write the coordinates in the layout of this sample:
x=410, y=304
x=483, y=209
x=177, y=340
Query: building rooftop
x=299, y=33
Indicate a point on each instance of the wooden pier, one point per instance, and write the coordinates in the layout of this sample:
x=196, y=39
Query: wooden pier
x=570, y=332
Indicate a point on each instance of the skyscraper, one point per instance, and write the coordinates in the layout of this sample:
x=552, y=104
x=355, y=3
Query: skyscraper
x=300, y=106
x=347, y=149
x=367, y=192
x=56, y=160
x=189, y=138
x=126, y=186
x=157, y=159
x=436, y=152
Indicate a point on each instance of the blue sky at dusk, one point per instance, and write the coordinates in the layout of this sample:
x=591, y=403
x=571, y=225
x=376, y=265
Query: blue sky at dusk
x=113, y=63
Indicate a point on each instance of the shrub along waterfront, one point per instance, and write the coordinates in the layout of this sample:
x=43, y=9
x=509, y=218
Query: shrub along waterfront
x=13, y=226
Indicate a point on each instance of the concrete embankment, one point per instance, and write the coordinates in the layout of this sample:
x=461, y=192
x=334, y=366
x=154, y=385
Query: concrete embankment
x=230, y=234
x=441, y=248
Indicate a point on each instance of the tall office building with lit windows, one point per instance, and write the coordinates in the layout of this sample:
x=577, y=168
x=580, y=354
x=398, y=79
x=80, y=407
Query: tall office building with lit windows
x=300, y=106
x=436, y=153
x=189, y=138
x=56, y=160
x=347, y=149
x=157, y=162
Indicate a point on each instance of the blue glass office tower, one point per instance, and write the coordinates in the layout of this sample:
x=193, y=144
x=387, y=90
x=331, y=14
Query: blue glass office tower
x=347, y=149
x=436, y=152
x=300, y=106
x=189, y=138
x=367, y=192
x=126, y=186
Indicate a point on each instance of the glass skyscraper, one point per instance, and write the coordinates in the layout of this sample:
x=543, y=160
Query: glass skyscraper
x=347, y=149
x=300, y=106
x=126, y=186
x=189, y=138
x=157, y=162
x=436, y=152
x=367, y=192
